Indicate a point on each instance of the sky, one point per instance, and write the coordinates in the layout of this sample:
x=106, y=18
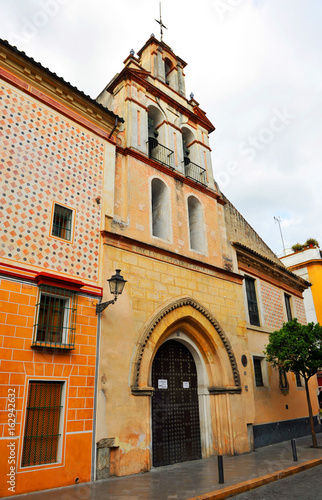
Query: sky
x=253, y=65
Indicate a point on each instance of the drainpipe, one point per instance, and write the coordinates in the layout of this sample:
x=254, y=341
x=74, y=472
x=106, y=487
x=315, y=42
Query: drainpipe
x=116, y=121
x=93, y=471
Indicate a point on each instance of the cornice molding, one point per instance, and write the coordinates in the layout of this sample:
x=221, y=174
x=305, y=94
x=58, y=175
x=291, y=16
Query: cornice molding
x=160, y=46
x=305, y=264
x=137, y=103
x=197, y=115
x=172, y=173
x=255, y=264
x=202, y=144
x=142, y=391
x=224, y=390
x=150, y=251
x=39, y=277
x=41, y=84
x=166, y=122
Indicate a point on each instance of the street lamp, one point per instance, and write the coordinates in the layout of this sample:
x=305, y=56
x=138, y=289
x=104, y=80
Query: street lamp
x=116, y=283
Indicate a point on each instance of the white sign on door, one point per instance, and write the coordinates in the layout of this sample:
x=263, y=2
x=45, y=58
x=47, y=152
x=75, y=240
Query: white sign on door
x=186, y=385
x=162, y=384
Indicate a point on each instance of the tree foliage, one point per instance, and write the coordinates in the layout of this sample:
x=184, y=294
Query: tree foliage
x=296, y=347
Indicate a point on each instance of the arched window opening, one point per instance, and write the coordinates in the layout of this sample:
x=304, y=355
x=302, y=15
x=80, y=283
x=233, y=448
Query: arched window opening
x=196, y=230
x=188, y=147
x=190, y=158
x=167, y=70
x=154, y=120
x=156, y=138
x=160, y=209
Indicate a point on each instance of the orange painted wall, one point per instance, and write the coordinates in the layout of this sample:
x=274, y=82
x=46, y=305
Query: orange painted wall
x=20, y=363
x=315, y=276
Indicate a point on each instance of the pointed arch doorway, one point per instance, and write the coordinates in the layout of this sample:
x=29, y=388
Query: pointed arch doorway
x=175, y=407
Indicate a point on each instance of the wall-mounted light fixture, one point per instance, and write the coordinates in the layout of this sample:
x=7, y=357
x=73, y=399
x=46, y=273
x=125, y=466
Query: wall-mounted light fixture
x=116, y=283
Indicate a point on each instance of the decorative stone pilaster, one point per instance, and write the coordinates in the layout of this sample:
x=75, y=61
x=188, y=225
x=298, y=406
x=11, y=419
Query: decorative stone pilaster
x=160, y=65
x=181, y=82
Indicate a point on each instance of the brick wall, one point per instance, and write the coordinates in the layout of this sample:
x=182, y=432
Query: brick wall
x=300, y=310
x=20, y=363
x=272, y=301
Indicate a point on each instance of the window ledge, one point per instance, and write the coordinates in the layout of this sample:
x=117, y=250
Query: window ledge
x=61, y=347
x=263, y=329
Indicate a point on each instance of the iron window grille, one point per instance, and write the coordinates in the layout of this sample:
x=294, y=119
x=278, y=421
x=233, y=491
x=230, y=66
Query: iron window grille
x=62, y=222
x=42, y=429
x=252, y=302
x=55, y=318
x=258, y=372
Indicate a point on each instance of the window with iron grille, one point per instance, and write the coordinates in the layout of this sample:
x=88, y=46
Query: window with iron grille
x=62, y=222
x=42, y=429
x=252, y=302
x=55, y=318
x=258, y=372
x=288, y=307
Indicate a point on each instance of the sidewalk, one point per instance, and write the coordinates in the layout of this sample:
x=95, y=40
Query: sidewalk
x=195, y=479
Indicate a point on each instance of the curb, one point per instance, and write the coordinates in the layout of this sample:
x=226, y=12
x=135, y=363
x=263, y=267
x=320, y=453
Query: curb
x=251, y=484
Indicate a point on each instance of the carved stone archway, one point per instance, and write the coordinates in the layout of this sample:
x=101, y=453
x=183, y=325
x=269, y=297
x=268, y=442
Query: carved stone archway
x=148, y=330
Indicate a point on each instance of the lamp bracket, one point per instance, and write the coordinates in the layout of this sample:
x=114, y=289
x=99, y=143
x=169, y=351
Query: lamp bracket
x=103, y=305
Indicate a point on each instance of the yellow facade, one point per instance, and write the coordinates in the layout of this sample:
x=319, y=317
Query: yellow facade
x=307, y=263
x=315, y=277
x=180, y=288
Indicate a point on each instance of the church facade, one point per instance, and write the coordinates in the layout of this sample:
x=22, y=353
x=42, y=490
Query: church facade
x=174, y=370
x=183, y=374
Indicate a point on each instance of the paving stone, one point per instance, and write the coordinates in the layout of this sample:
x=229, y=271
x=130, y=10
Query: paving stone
x=187, y=480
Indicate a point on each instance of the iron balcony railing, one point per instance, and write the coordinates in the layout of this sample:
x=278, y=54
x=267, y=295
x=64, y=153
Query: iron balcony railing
x=161, y=153
x=195, y=172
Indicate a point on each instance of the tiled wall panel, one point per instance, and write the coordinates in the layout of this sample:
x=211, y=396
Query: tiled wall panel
x=44, y=157
x=272, y=305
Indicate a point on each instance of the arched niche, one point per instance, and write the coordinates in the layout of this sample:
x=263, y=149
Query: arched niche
x=170, y=73
x=160, y=209
x=167, y=70
x=196, y=225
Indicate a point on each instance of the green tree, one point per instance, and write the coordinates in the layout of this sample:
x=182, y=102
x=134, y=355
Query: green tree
x=297, y=348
